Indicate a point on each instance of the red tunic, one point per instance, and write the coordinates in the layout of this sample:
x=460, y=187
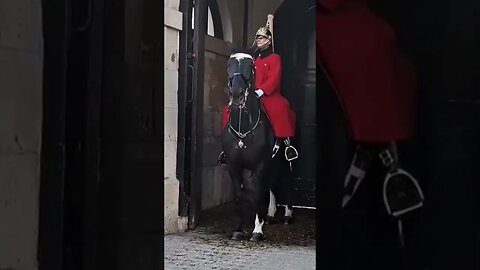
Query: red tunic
x=268, y=73
x=374, y=82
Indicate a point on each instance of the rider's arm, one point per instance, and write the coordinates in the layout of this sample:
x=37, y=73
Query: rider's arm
x=272, y=84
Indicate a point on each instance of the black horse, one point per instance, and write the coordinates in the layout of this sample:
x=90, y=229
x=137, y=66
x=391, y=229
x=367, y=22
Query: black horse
x=247, y=141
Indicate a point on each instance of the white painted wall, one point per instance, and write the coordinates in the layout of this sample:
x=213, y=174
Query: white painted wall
x=21, y=64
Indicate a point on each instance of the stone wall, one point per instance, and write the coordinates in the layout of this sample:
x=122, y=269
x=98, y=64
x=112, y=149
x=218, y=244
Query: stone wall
x=21, y=64
x=172, y=26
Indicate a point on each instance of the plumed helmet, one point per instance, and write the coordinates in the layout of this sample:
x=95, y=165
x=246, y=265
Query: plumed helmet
x=264, y=31
x=267, y=30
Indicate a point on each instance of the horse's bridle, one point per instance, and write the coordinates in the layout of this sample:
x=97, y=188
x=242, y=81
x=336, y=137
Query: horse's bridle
x=241, y=106
x=248, y=82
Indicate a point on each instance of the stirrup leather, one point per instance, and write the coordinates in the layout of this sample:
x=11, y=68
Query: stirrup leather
x=275, y=149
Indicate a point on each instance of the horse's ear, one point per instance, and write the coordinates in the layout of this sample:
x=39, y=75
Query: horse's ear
x=251, y=50
x=231, y=47
x=234, y=48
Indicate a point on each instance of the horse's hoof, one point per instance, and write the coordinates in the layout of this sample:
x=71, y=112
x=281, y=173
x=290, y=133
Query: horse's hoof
x=287, y=220
x=270, y=220
x=256, y=237
x=238, y=236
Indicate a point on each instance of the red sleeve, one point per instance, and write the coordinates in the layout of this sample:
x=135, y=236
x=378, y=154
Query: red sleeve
x=272, y=84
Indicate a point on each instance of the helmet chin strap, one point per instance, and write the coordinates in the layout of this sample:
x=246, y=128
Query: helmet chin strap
x=264, y=45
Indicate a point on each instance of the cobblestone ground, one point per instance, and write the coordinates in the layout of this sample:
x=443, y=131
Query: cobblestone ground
x=196, y=251
x=209, y=245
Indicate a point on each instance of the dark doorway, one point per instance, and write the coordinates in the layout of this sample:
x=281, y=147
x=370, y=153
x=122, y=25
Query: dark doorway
x=295, y=43
x=445, y=147
x=70, y=165
x=101, y=149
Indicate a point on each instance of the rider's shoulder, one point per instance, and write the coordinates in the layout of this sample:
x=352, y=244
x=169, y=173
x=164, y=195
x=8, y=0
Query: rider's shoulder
x=274, y=56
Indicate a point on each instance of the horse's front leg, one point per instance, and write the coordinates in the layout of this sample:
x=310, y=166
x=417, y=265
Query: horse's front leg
x=288, y=191
x=288, y=219
x=261, y=189
x=239, y=214
x=274, y=177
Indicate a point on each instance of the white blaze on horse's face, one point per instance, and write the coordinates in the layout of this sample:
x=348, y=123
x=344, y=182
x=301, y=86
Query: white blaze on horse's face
x=241, y=56
x=240, y=76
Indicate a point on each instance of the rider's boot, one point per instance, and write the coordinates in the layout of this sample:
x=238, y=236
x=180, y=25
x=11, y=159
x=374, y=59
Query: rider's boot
x=276, y=147
x=222, y=159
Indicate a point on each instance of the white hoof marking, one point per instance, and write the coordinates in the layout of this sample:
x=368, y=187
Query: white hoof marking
x=258, y=225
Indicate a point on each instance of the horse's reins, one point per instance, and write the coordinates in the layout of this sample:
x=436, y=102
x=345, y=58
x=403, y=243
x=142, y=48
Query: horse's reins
x=241, y=106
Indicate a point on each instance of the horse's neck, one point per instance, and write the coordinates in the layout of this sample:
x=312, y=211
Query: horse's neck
x=253, y=104
x=248, y=117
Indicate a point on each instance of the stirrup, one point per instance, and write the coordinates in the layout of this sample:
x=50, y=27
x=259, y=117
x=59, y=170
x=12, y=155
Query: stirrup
x=290, y=152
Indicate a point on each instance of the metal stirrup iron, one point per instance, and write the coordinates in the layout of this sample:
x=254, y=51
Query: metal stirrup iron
x=290, y=152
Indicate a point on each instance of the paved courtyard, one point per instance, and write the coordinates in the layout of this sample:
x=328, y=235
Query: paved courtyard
x=200, y=251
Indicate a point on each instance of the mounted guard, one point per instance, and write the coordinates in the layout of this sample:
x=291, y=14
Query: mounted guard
x=256, y=120
x=268, y=75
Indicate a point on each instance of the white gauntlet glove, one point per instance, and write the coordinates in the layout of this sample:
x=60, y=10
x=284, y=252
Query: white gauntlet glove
x=259, y=92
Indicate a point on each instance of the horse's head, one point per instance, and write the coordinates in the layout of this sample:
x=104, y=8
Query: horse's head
x=241, y=77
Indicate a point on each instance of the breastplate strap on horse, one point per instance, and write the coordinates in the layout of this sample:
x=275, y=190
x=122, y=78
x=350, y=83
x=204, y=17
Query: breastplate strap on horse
x=239, y=134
